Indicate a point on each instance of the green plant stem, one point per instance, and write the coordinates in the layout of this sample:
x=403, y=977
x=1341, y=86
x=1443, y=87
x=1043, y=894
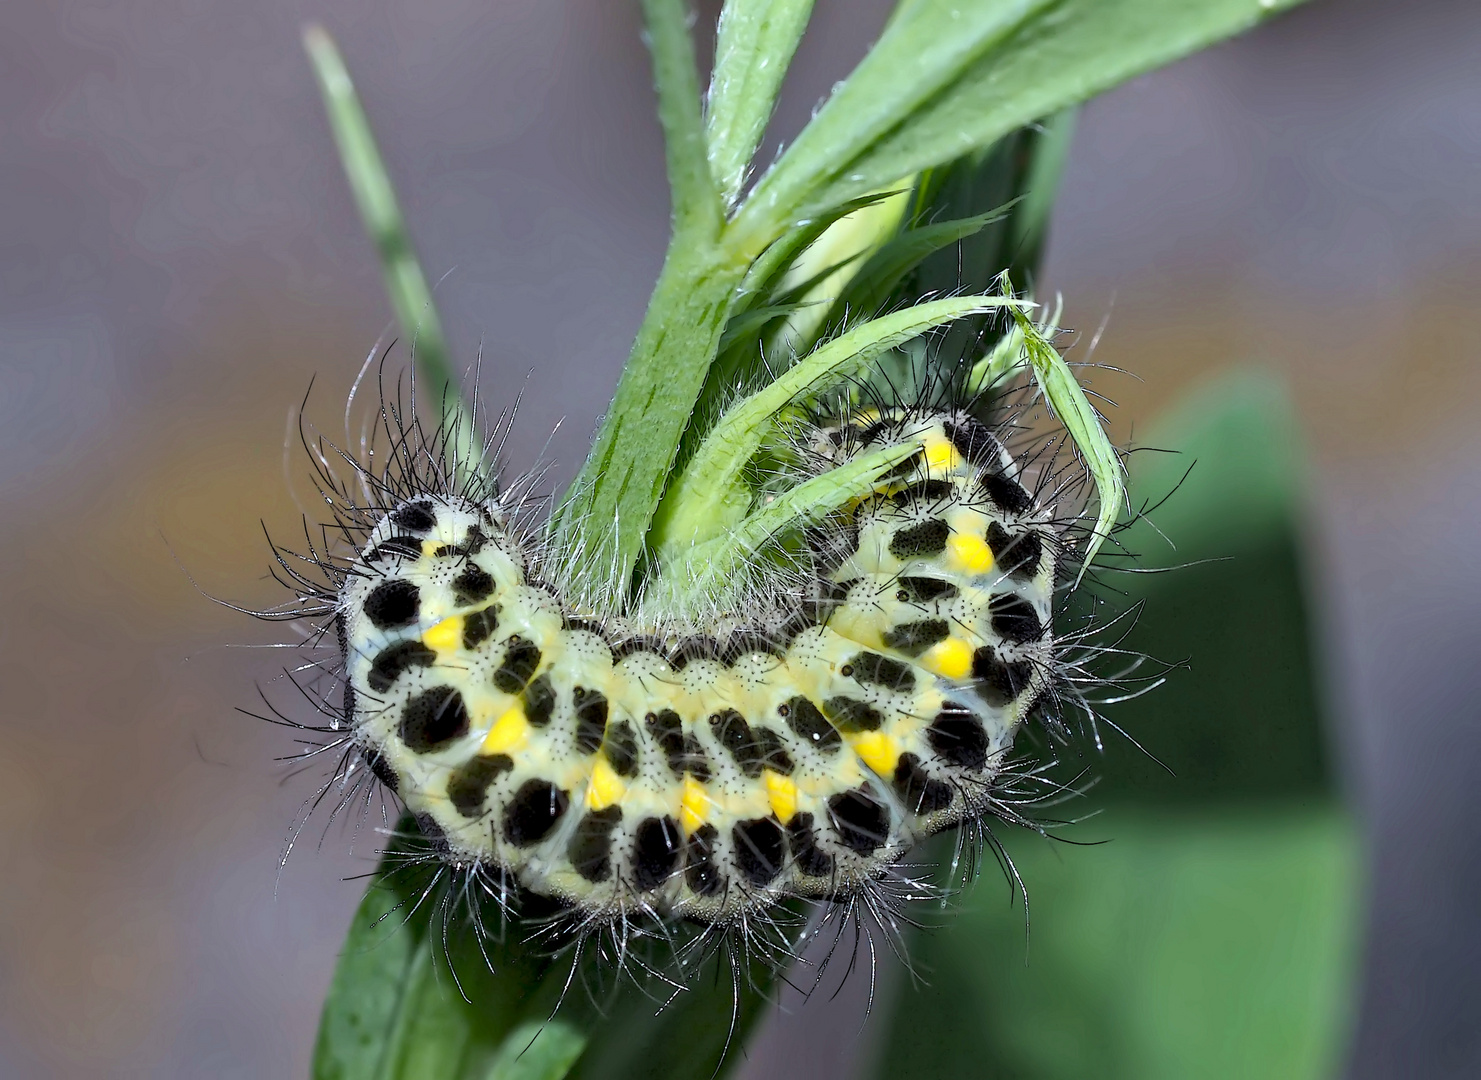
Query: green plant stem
x=604, y=517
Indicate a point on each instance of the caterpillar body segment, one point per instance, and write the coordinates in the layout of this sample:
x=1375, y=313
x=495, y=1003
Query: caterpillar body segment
x=621, y=766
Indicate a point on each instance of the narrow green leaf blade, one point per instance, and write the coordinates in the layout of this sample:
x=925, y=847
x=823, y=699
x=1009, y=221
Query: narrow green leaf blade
x=1020, y=172
x=406, y=285
x=869, y=290
x=922, y=51
x=753, y=49
x=694, y=511
x=376, y=965
x=766, y=273
x=412, y=997
x=1065, y=395
x=1030, y=218
x=947, y=78
x=719, y=566
x=1059, y=55
x=696, y=203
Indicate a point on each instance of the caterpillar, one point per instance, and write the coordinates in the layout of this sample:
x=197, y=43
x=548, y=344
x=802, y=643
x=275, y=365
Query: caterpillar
x=620, y=765
x=626, y=762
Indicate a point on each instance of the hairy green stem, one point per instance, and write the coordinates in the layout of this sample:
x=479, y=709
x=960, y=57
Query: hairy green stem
x=605, y=516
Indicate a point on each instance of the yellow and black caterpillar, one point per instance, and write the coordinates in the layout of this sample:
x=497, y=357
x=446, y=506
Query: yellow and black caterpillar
x=620, y=765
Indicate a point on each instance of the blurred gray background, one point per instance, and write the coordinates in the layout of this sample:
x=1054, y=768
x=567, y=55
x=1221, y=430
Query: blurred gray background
x=178, y=255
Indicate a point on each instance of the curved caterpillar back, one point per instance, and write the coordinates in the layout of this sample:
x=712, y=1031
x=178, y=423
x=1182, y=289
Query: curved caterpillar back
x=627, y=767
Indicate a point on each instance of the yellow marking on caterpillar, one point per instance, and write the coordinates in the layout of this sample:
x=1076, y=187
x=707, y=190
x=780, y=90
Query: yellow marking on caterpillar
x=877, y=750
x=446, y=635
x=508, y=733
x=951, y=658
x=606, y=786
x=781, y=792
x=694, y=805
x=970, y=553
x=941, y=456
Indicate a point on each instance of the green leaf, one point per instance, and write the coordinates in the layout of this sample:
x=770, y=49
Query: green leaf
x=701, y=504
x=744, y=350
x=744, y=326
x=948, y=77
x=717, y=569
x=945, y=78
x=921, y=51
x=538, y=1050
x=1218, y=944
x=395, y=1011
x=1214, y=931
x=415, y=995
x=1029, y=222
x=824, y=269
x=699, y=1035
x=381, y=215
x=1239, y=435
x=869, y=290
x=1020, y=172
x=764, y=278
x=1067, y=398
x=1216, y=578
x=377, y=963
x=753, y=48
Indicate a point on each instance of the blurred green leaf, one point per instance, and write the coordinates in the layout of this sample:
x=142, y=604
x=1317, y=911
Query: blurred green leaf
x=406, y=286
x=1213, y=933
x=395, y=1011
x=1239, y=435
x=1217, y=944
x=698, y=1036
x=1218, y=565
